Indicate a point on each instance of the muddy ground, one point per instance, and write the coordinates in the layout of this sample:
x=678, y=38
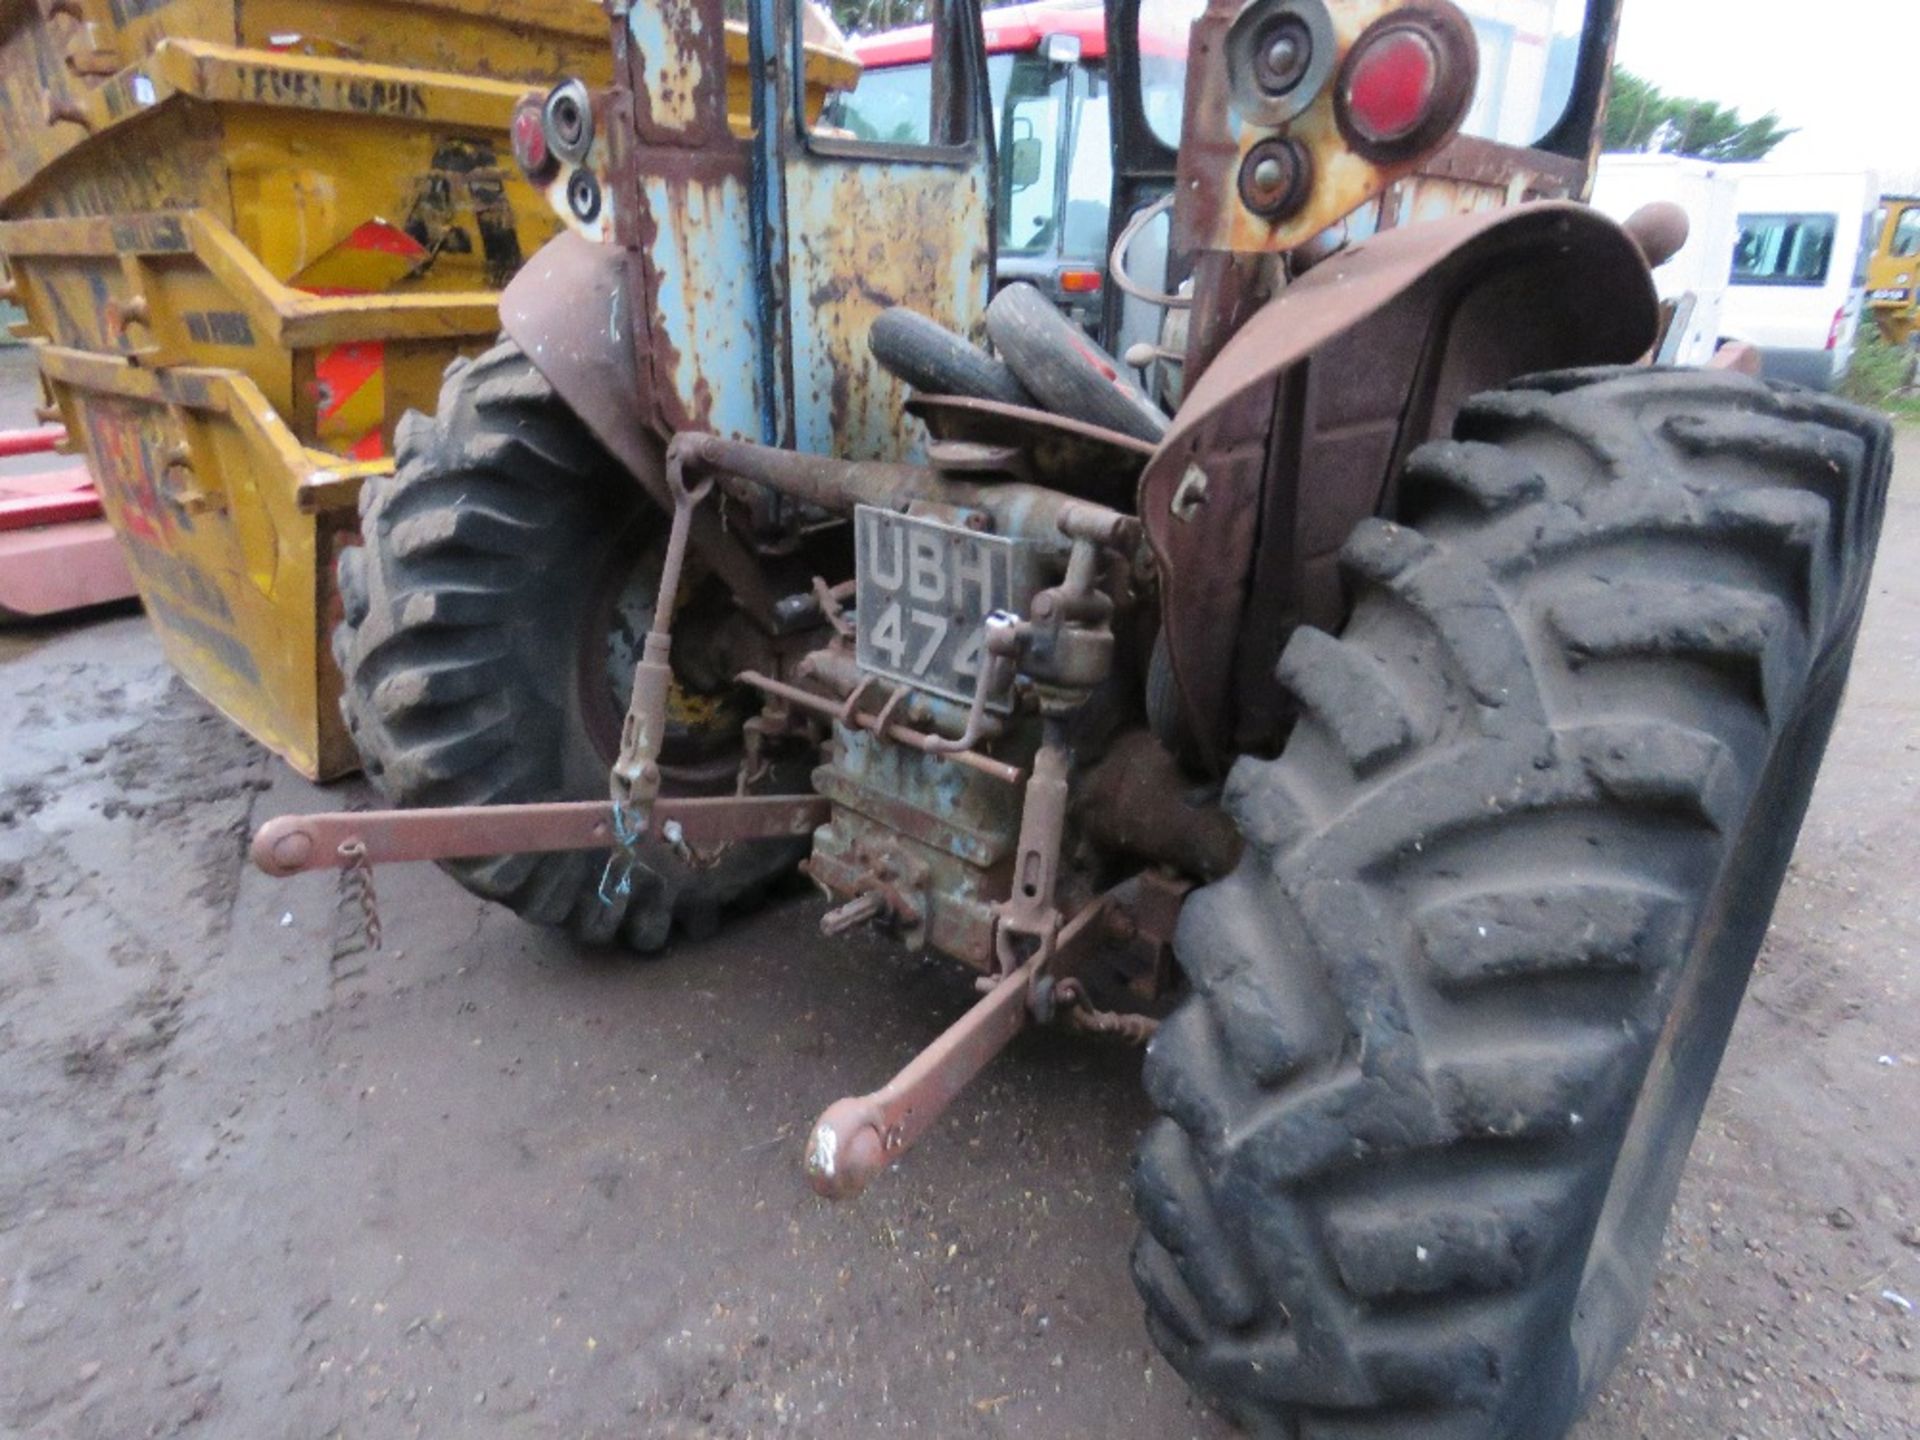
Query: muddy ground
x=256, y=1181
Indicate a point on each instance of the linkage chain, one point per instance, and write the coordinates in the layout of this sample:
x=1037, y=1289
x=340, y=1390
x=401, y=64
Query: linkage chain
x=356, y=880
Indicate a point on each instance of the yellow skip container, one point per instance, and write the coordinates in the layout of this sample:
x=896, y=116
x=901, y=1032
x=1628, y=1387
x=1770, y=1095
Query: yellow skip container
x=247, y=238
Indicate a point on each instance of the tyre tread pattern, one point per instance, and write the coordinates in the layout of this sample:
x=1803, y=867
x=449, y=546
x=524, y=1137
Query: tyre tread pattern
x=446, y=699
x=1422, y=1007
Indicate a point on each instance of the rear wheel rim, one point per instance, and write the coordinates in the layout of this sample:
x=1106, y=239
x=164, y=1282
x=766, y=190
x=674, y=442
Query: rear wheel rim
x=703, y=746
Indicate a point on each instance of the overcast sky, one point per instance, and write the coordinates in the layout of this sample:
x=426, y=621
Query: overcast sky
x=1841, y=70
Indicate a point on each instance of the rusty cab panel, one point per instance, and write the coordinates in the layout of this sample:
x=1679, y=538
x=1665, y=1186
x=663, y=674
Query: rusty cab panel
x=887, y=201
x=759, y=254
x=1317, y=358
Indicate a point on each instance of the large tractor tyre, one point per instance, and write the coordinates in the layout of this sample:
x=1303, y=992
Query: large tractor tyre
x=1454, y=1017
x=492, y=617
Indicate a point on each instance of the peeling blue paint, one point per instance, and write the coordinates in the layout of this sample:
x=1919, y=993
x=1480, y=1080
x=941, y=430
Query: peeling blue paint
x=708, y=305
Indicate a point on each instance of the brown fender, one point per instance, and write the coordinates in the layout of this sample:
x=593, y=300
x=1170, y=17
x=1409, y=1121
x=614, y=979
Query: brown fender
x=568, y=309
x=1298, y=428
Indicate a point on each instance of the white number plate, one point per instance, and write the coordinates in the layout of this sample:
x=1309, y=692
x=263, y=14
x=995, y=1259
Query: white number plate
x=923, y=595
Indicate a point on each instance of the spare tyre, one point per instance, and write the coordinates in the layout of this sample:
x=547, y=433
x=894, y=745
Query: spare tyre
x=1062, y=365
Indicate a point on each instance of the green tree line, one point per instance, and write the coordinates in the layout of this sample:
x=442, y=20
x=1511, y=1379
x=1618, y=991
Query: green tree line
x=1643, y=117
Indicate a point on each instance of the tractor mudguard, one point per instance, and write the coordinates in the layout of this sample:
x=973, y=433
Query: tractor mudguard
x=1296, y=430
x=569, y=309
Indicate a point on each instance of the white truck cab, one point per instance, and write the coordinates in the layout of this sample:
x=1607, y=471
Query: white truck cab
x=1706, y=190
x=1798, y=272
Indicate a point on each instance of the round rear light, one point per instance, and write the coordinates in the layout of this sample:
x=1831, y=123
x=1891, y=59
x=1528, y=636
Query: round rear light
x=530, y=141
x=1390, y=85
x=568, y=119
x=1280, y=56
x=1406, y=83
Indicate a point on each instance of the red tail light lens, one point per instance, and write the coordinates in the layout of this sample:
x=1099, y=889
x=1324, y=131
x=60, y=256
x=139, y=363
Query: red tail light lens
x=1405, y=85
x=1080, y=282
x=1391, y=83
x=1833, y=330
x=530, y=141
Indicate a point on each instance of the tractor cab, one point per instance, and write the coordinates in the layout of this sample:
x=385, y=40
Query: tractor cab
x=1048, y=77
x=783, y=206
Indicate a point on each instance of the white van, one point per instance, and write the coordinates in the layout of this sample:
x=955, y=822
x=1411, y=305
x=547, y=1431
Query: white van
x=1799, y=266
x=1706, y=191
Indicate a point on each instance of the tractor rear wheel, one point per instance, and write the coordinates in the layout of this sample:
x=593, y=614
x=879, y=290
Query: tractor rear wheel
x=492, y=618
x=1454, y=1018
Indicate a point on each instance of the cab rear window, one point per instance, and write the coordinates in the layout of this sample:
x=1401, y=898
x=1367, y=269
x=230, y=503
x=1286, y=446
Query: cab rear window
x=1906, y=234
x=891, y=106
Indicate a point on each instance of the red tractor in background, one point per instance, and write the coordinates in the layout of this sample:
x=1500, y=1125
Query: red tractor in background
x=1407, y=734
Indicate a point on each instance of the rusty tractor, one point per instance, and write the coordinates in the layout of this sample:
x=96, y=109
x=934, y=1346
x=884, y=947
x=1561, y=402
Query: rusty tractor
x=1397, y=708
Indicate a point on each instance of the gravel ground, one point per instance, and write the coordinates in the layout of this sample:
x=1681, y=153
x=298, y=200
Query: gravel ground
x=256, y=1181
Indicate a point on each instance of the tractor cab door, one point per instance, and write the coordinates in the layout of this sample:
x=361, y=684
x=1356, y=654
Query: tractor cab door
x=773, y=200
x=885, y=197
x=1146, y=91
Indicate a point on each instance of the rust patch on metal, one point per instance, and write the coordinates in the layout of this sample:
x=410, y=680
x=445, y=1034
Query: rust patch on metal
x=1082, y=459
x=1369, y=354
x=1135, y=802
x=862, y=237
x=1221, y=147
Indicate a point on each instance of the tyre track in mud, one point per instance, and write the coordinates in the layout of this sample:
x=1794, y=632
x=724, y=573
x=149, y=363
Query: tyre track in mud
x=125, y=804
